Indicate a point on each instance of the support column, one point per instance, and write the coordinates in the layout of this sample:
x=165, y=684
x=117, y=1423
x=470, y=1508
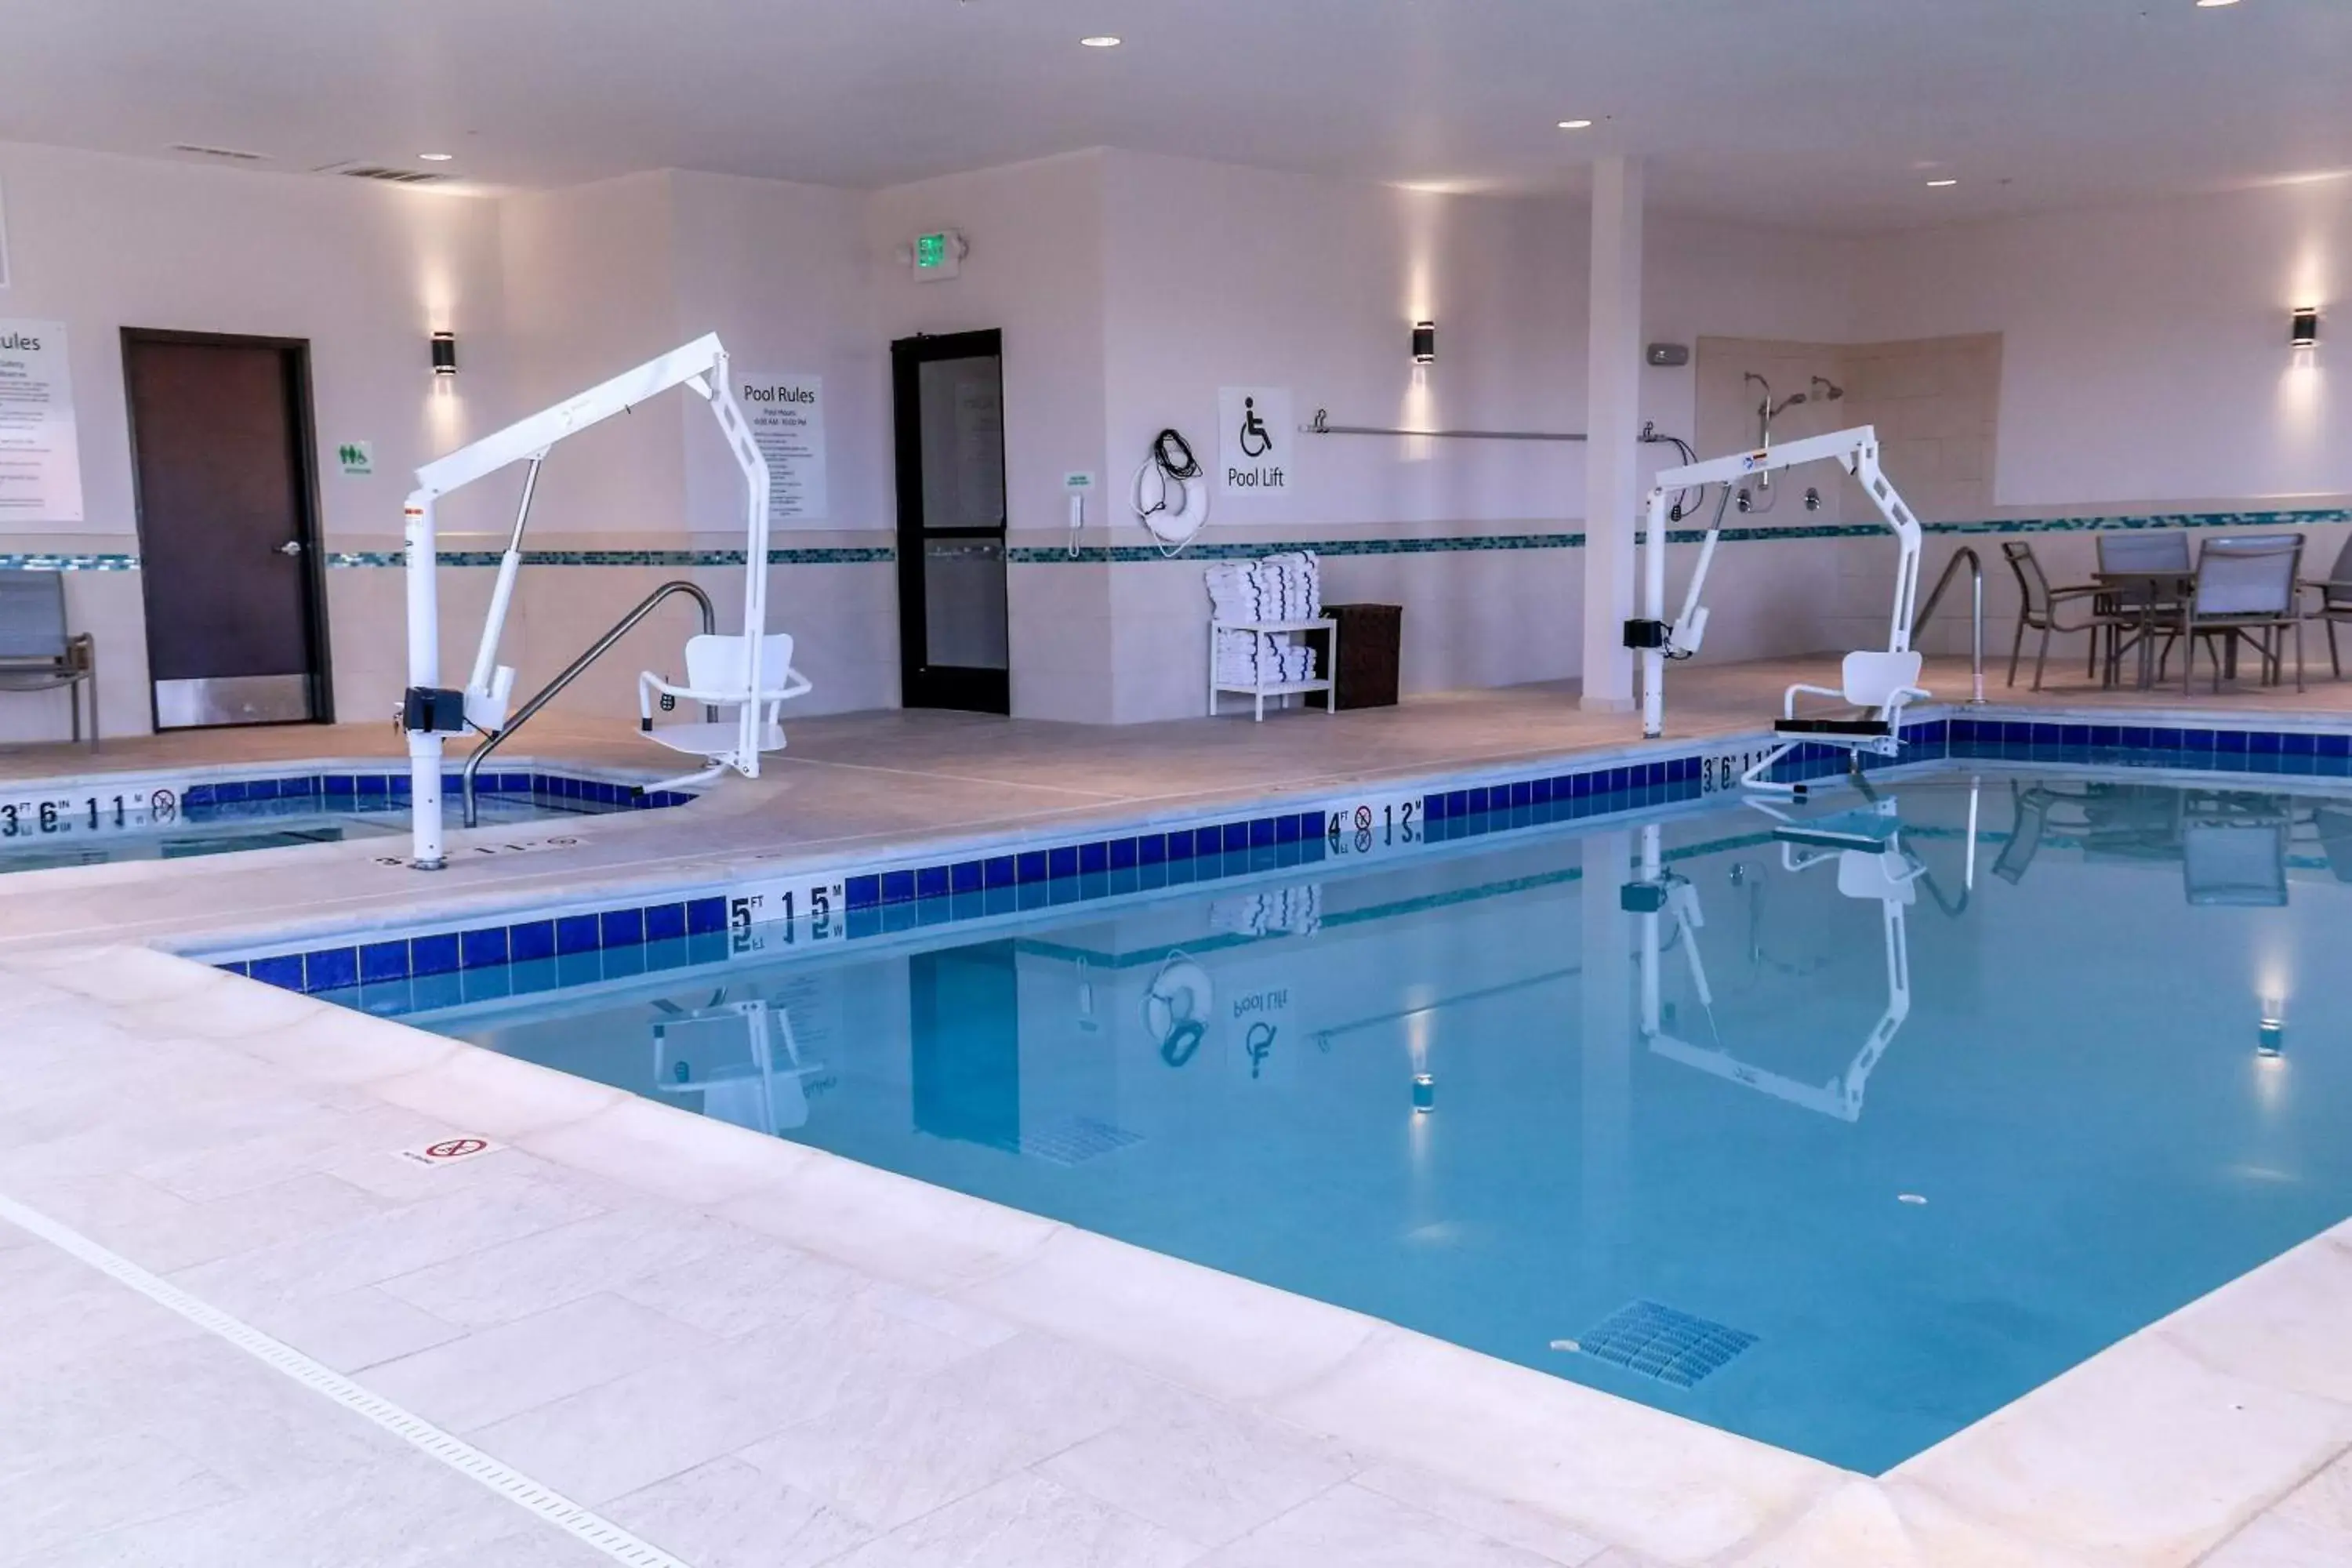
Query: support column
x=1612, y=429
x=1605, y=1135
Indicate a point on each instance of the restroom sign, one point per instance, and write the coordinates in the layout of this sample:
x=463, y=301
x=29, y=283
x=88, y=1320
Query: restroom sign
x=1254, y=437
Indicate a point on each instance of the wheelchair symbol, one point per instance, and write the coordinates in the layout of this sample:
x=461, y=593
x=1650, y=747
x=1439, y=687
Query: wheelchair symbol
x=1255, y=440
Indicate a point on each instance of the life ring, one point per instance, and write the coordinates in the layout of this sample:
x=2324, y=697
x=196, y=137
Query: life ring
x=1170, y=494
x=1176, y=1008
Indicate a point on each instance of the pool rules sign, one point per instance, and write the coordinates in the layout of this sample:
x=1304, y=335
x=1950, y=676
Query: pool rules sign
x=40, y=461
x=1254, y=437
x=787, y=417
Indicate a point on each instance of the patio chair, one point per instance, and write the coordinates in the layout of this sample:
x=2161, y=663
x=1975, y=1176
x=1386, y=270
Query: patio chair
x=2131, y=549
x=2245, y=593
x=2156, y=600
x=37, y=653
x=2042, y=608
x=2335, y=602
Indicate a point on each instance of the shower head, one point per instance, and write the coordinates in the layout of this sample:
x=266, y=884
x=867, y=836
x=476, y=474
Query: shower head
x=1830, y=390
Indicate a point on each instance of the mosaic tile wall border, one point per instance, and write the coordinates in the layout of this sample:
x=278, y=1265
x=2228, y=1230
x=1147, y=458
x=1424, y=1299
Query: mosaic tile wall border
x=807, y=555
x=1046, y=555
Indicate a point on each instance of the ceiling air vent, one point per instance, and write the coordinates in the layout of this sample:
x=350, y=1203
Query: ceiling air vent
x=391, y=177
x=231, y=153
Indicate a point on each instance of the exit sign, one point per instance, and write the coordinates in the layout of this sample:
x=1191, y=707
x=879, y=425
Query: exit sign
x=939, y=254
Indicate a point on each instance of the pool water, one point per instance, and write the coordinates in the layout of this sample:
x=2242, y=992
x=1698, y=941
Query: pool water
x=229, y=827
x=1850, y=1143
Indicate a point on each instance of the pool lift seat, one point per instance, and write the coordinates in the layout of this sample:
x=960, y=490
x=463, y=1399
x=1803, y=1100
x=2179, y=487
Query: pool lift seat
x=716, y=678
x=1876, y=685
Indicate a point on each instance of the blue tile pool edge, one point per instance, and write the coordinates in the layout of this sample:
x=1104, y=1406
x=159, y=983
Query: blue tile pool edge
x=987, y=880
x=957, y=883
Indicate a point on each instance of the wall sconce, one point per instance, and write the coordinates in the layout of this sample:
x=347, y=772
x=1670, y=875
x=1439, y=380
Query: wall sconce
x=1424, y=342
x=445, y=353
x=2302, y=329
x=1424, y=1094
x=2270, y=1039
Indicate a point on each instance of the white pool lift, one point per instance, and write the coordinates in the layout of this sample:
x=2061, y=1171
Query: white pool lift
x=1876, y=683
x=721, y=672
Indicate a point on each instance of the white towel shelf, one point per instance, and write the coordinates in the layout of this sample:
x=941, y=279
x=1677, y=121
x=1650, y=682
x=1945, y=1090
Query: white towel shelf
x=1277, y=688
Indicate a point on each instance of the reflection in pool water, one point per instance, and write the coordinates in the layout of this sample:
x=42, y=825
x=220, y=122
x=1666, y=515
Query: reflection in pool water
x=1826, y=1131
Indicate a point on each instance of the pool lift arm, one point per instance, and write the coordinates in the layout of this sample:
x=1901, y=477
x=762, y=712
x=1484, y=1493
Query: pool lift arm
x=429, y=712
x=1879, y=683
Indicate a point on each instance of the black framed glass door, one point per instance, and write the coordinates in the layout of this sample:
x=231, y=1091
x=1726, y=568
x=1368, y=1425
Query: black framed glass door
x=947, y=399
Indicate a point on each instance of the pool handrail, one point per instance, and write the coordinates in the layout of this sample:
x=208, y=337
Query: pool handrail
x=573, y=671
x=1964, y=557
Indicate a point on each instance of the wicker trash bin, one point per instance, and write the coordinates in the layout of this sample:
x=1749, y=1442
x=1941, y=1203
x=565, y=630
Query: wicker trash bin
x=1369, y=635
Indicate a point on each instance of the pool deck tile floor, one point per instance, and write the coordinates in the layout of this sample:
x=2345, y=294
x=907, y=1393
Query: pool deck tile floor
x=745, y=1351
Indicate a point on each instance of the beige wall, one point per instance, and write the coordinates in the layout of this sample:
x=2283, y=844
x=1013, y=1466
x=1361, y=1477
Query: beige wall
x=1934, y=403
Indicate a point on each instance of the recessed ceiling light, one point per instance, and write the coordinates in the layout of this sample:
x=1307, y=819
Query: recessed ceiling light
x=1576, y=125
x=1940, y=184
x=1101, y=41
x=2214, y=4
x=437, y=157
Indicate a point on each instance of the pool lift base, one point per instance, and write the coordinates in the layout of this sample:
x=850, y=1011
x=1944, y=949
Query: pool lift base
x=1876, y=683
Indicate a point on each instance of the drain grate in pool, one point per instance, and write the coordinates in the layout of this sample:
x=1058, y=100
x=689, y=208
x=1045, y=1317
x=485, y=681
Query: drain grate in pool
x=1074, y=1140
x=1657, y=1341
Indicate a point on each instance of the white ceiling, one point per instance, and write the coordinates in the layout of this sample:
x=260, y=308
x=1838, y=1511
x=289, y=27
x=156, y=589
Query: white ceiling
x=1818, y=113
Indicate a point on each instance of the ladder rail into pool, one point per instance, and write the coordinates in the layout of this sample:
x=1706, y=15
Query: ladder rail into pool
x=573, y=671
x=1964, y=557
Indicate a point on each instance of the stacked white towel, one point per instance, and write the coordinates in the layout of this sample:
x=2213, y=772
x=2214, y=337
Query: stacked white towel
x=1285, y=588
x=1298, y=912
x=1262, y=658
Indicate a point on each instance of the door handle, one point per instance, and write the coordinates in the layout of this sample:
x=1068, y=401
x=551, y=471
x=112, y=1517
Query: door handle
x=291, y=547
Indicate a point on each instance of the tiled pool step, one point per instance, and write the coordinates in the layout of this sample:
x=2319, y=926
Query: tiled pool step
x=339, y=785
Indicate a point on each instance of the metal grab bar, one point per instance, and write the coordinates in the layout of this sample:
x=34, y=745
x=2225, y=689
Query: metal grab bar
x=1965, y=556
x=1322, y=426
x=571, y=672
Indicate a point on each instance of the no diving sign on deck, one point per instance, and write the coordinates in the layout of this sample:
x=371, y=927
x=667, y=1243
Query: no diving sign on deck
x=447, y=1151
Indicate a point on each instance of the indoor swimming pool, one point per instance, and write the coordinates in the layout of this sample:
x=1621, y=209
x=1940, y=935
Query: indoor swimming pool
x=91, y=822
x=1840, y=1131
